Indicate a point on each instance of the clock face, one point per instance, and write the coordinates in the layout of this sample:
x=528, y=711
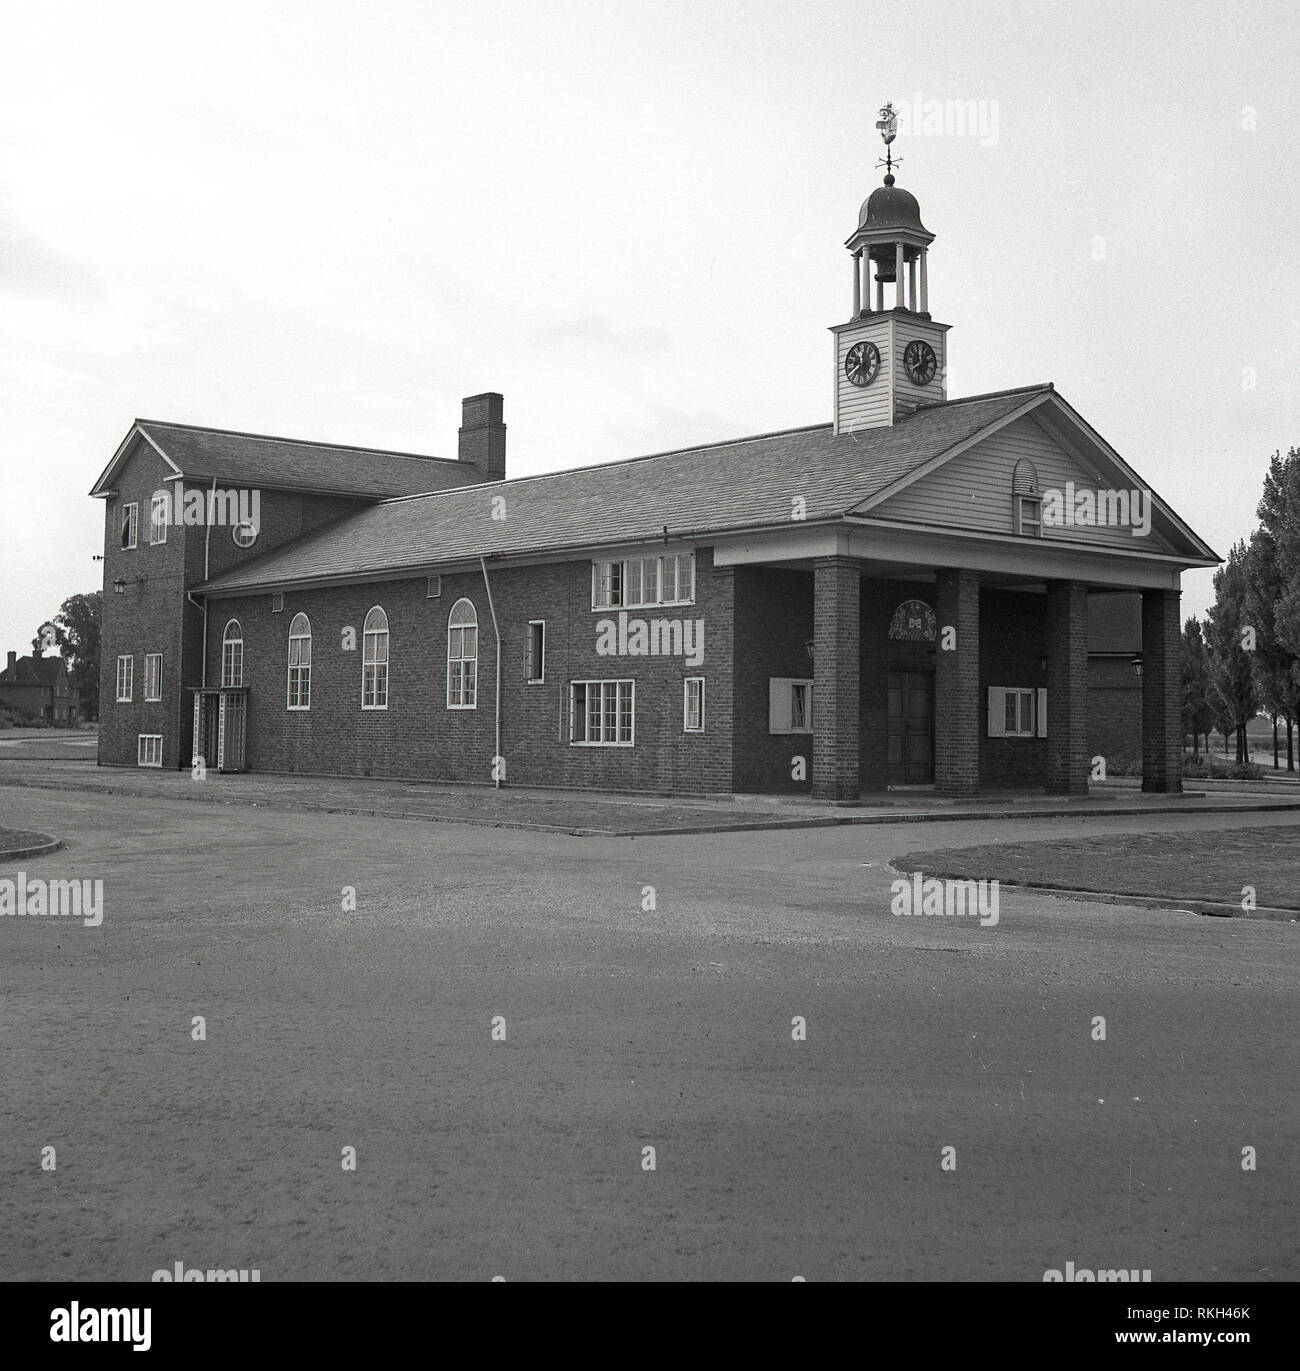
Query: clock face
x=920, y=361
x=862, y=363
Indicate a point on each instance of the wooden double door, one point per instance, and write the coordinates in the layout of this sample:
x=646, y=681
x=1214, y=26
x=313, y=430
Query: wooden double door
x=910, y=725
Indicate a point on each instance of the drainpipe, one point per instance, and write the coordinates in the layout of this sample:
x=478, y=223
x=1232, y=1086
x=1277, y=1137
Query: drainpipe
x=496, y=769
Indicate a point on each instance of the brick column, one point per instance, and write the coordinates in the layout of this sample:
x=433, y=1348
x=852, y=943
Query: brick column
x=957, y=704
x=1162, y=689
x=836, y=723
x=1067, y=688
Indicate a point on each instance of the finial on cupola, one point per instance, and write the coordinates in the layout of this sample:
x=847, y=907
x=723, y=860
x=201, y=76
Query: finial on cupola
x=888, y=126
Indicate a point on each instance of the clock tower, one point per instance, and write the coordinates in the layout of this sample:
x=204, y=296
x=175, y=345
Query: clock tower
x=888, y=361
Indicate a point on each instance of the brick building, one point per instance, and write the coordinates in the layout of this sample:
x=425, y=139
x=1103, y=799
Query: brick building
x=38, y=689
x=902, y=596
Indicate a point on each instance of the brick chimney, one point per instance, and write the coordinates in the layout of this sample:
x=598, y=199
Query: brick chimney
x=483, y=435
x=13, y=660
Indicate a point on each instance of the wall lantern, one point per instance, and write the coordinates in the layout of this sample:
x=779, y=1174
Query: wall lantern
x=810, y=644
x=1136, y=664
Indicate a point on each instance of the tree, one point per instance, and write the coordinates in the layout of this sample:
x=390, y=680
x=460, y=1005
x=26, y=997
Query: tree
x=1231, y=639
x=1272, y=662
x=76, y=637
x=1198, y=712
x=1279, y=516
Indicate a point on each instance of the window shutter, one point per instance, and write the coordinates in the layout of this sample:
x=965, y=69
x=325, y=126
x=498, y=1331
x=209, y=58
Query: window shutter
x=1042, y=714
x=997, y=716
x=778, y=706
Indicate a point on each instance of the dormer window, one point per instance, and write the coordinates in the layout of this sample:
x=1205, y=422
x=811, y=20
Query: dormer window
x=1026, y=501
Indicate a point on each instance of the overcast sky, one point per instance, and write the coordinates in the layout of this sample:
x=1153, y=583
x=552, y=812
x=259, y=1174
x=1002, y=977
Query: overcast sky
x=333, y=220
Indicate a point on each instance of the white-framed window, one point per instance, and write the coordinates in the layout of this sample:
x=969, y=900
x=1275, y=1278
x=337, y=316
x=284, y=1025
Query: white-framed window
x=130, y=525
x=1017, y=712
x=789, y=705
x=374, y=660
x=693, y=704
x=153, y=676
x=232, y=654
x=1029, y=516
x=148, y=749
x=125, y=679
x=462, y=656
x=245, y=535
x=643, y=582
x=535, y=663
x=277, y=602
x=158, y=518
x=432, y=587
x=602, y=713
x=298, y=691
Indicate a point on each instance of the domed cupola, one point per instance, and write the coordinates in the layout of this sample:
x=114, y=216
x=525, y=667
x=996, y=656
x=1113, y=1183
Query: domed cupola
x=889, y=361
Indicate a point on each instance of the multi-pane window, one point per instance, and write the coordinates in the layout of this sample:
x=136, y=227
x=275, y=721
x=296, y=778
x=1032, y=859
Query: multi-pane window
x=148, y=749
x=693, y=704
x=535, y=666
x=1016, y=712
x=130, y=525
x=1029, y=516
x=158, y=518
x=153, y=676
x=643, y=582
x=462, y=656
x=374, y=660
x=601, y=713
x=232, y=654
x=299, y=686
x=125, y=679
x=789, y=705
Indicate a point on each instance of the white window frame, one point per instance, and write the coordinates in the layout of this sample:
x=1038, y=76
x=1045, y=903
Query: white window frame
x=622, y=689
x=1029, y=527
x=374, y=667
x=687, y=725
x=232, y=662
x=533, y=674
x=148, y=745
x=621, y=582
x=131, y=512
x=158, y=527
x=462, y=668
x=153, y=677
x=125, y=679
x=296, y=669
x=1026, y=701
x=782, y=694
x=252, y=529
x=433, y=587
x=277, y=602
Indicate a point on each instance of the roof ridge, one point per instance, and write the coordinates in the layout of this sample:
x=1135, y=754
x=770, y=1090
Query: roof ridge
x=604, y=466
x=988, y=395
x=298, y=442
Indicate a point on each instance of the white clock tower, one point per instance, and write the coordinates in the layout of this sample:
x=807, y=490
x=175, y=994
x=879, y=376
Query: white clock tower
x=888, y=361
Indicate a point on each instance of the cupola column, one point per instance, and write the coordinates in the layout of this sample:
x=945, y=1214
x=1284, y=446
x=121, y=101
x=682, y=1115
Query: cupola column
x=857, y=284
x=900, y=278
x=925, y=285
x=911, y=285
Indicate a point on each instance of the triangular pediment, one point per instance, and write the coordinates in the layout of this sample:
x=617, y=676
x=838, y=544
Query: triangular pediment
x=1090, y=497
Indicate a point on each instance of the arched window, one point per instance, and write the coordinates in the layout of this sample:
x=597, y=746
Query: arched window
x=462, y=656
x=1026, y=500
x=914, y=622
x=300, y=663
x=232, y=655
x=374, y=660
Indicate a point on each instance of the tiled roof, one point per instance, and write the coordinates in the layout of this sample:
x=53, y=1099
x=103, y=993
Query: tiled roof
x=251, y=459
x=747, y=483
x=30, y=671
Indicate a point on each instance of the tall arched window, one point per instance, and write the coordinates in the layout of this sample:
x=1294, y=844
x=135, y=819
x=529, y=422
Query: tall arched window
x=232, y=654
x=462, y=656
x=374, y=660
x=300, y=663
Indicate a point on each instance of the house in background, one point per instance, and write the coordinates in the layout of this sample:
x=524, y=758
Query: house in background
x=909, y=595
x=38, y=688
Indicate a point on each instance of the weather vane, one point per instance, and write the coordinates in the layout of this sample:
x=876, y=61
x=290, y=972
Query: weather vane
x=888, y=126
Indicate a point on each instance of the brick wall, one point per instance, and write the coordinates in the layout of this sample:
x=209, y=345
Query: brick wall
x=419, y=736
x=1114, y=710
x=1013, y=638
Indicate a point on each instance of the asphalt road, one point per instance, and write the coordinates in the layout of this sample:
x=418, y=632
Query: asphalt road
x=626, y=1027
